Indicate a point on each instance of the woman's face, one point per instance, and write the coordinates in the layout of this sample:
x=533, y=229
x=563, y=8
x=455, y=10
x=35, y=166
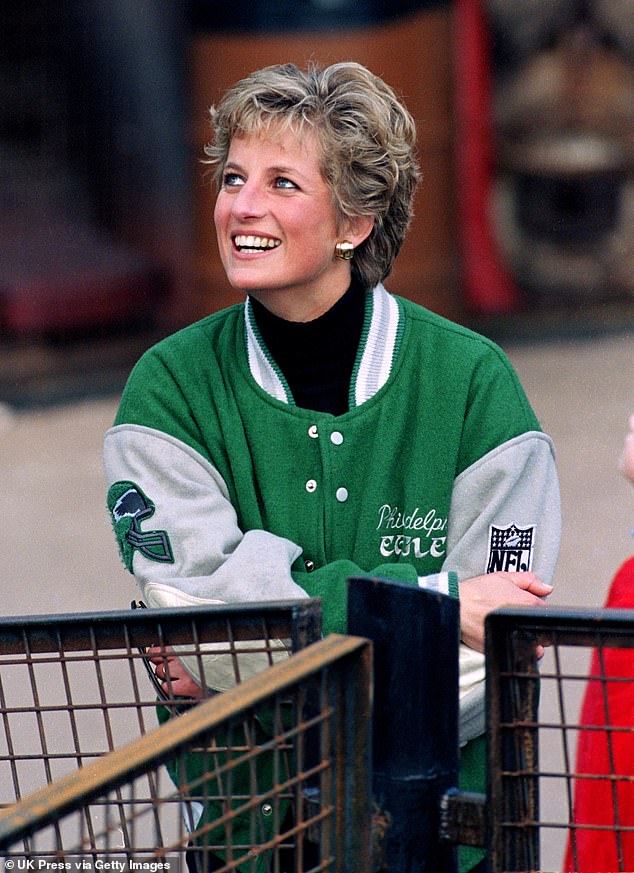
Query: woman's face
x=276, y=226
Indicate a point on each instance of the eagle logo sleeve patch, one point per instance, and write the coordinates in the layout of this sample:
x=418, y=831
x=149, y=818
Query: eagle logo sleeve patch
x=129, y=507
x=510, y=548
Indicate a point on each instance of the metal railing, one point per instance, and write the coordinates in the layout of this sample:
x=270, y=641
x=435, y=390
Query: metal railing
x=270, y=776
x=74, y=687
x=561, y=740
x=283, y=776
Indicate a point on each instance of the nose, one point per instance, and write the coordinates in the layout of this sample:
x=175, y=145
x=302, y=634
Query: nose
x=249, y=201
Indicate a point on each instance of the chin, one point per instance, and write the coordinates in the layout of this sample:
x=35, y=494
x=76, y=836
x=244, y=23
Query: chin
x=247, y=280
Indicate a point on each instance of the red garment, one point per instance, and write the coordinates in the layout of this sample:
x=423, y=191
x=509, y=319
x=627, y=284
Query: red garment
x=488, y=285
x=597, y=851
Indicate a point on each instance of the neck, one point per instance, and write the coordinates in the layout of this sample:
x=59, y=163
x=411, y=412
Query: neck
x=293, y=307
x=317, y=357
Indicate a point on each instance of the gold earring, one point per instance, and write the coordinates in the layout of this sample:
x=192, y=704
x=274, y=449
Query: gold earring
x=344, y=250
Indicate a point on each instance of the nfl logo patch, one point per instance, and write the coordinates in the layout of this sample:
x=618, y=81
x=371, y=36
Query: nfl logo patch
x=510, y=548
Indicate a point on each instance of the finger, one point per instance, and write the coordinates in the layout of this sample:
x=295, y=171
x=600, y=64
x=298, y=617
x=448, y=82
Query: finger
x=529, y=598
x=184, y=687
x=543, y=644
x=529, y=582
x=158, y=654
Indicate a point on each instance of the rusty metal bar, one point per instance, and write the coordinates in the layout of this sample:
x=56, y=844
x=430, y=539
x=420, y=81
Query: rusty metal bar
x=601, y=827
x=575, y=627
x=351, y=751
x=463, y=818
x=338, y=668
x=513, y=749
x=74, y=687
x=79, y=631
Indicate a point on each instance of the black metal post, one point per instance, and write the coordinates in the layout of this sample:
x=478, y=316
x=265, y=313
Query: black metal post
x=415, y=634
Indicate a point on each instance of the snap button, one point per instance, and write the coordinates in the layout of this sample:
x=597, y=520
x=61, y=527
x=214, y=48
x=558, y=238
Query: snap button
x=311, y=486
x=341, y=494
x=313, y=432
x=336, y=438
x=267, y=809
x=309, y=565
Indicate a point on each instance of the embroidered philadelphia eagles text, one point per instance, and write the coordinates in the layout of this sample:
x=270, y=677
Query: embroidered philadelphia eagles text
x=401, y=525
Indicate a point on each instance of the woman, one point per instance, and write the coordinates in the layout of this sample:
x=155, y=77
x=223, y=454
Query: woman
x=325, y=428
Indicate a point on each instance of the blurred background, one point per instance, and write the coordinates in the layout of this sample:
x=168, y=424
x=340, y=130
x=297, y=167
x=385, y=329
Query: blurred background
x=524, y=230
x=525, y=113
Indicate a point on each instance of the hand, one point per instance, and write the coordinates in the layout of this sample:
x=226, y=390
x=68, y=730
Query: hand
x=180, y=682
x=482, y=594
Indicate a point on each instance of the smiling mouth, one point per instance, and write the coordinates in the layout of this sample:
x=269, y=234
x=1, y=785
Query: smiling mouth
x=255, y=243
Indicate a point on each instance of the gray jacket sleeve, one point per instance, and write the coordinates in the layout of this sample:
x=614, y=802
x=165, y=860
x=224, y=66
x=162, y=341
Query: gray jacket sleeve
x=211, y=557
x=212, y=560
x=516, y=484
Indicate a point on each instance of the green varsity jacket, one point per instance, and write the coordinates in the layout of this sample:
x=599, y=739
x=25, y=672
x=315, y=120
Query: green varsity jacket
x=438, y=472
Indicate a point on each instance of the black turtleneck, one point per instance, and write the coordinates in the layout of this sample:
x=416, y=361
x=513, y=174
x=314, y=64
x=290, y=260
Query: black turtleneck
x=317, y=357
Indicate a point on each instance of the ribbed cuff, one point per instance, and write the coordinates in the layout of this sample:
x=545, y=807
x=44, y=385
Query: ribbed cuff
x=444, y=583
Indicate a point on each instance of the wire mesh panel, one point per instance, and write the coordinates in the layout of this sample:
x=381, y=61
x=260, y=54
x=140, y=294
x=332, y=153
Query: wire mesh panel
x=73, y=687
x=271, y=777
x=561, y=740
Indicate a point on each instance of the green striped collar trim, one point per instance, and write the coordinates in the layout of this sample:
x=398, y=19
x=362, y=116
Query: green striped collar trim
x=379, y=345
x=380, y=341
x=263, y=367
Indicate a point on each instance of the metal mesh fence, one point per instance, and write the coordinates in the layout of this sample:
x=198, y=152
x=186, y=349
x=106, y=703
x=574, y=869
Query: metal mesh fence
x=271, y=776
x=561, y=741
x=74, y=687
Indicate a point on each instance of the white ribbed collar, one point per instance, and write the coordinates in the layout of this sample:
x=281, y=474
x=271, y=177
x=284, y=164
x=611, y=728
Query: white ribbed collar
x=380, y=339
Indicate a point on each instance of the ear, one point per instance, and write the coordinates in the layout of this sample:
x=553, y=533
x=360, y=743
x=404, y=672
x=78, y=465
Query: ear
x=359, y=228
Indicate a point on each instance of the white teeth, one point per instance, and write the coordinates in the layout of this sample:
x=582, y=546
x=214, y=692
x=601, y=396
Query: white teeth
x=256, y=243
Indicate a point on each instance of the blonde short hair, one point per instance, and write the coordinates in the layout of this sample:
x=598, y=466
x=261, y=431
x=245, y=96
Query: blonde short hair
x=366, y=135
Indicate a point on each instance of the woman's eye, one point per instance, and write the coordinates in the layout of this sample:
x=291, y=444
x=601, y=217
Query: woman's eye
x=283, y=182
x=232, y=180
